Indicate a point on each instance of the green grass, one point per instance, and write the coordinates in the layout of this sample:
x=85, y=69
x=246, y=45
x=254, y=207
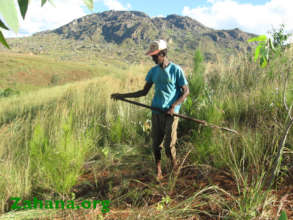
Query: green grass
x=54, y=131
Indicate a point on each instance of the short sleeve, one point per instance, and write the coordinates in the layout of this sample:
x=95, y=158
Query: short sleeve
x=149, y=76
x=180, y=77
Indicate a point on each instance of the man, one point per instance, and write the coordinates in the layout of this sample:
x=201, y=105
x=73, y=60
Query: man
x=170, y=91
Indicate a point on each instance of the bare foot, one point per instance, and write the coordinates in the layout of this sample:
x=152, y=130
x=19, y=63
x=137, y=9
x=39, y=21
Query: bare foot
x=159, y=171
x=159, y=177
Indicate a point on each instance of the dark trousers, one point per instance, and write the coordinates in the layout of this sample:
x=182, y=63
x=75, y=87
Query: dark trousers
x=164, y=128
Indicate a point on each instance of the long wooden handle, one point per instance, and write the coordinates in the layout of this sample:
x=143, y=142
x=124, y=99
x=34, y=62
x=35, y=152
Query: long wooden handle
x=180, y=116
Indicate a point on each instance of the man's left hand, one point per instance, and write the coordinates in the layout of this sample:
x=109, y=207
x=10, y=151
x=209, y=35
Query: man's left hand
x=116, y=96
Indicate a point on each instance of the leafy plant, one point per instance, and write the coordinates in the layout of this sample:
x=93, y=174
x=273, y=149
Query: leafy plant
x=165, y=201
x=263, y=50
x=280, y=37
x=283, y=216
x=267, y=46
x=9, y=13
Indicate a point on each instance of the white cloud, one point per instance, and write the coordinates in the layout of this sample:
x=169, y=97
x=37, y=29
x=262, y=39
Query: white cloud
x=259, y=19
x=159, y=16
x=48, y=17
x=116, y=5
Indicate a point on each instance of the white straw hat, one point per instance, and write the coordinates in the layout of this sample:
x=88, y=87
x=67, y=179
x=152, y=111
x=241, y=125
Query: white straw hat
x=156, y=47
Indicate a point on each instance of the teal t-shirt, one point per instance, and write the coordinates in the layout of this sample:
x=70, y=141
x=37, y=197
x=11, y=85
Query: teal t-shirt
x=167, y=85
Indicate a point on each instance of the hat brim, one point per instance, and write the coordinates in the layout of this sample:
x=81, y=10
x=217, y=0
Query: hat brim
x=151, y=53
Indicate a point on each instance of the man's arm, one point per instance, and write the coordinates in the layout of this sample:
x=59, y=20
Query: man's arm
x=137, y=94
x=184, y=94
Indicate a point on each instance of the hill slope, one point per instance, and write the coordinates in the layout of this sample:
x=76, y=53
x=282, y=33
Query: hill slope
x=125, y=35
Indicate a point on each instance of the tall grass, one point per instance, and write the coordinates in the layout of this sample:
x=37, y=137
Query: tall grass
x=53, y=132
x=249, y=99
x=56, y=164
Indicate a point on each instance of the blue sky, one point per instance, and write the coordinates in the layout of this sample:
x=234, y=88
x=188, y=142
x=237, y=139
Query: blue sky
x=257, y=16
x=164, y=7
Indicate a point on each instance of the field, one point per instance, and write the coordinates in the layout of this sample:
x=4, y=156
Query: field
x=62, y=137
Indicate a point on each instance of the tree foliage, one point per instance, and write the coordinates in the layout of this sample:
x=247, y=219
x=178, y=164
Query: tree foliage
x=280, y=38
x=267, y=47
x=9, y=12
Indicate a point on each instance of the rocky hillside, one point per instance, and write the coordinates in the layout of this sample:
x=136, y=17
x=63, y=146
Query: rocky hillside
x=119, y=26
x=127, y=34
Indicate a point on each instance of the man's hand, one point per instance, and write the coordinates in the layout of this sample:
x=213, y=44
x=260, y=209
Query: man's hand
x=137, y=94
x=171, y=110
x=179, y=100
x=116, y=96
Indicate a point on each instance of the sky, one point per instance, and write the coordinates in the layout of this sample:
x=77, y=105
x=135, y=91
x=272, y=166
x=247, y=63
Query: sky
x=253, y=16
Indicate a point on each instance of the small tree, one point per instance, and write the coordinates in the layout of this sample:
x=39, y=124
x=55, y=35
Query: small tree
x=280, y=38
x=196, y=79
x=196, y=83
x=268, y=47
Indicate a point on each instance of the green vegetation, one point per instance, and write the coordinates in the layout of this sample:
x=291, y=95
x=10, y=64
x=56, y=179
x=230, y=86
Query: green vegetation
x=269, y=47
x=71, y=141
x=24, y=72
x=8, y=92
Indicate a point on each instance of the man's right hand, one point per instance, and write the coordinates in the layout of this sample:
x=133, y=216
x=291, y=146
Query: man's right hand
x=116, y=96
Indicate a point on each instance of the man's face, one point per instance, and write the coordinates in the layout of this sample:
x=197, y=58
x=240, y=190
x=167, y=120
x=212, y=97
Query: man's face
x=158, y=58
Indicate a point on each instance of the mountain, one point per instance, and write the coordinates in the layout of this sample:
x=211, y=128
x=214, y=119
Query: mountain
x=126, y=35
x=118, y=26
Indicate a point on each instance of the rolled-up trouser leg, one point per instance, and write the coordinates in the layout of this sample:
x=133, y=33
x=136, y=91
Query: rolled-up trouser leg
x=170, y=136
x=157, y=134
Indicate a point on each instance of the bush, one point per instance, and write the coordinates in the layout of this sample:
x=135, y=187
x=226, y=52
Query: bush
x=8, y=92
